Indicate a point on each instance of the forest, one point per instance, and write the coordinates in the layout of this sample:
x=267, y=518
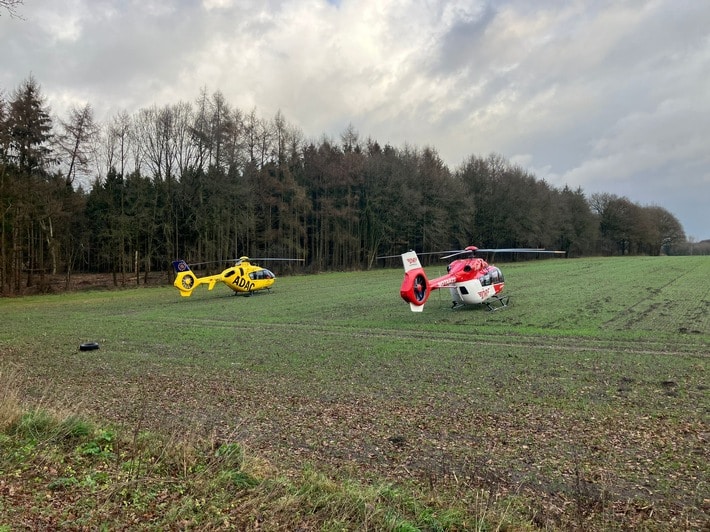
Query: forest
x=206, y=181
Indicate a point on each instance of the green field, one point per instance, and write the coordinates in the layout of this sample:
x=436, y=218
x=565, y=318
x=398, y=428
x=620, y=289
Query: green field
x=583, y=405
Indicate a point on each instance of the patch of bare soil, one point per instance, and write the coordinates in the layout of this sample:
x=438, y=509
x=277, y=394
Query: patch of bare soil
x=576, y=470
x=57, y=284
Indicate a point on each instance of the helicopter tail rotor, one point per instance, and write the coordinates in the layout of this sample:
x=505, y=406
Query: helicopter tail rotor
x=415, y=287
x=184, y=278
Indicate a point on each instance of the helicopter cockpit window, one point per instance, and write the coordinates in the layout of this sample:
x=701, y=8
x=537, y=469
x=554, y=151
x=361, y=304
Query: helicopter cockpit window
x=492, y=276
x=261, y=274
x=495, y=272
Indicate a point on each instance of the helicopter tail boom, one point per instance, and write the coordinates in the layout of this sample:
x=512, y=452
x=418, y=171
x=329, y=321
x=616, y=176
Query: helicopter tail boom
x=186, y=280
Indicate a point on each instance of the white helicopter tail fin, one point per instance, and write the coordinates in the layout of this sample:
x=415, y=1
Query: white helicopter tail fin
x=410, y=261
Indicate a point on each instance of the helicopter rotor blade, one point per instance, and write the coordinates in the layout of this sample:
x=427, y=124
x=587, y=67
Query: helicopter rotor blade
x=271, y=259
x=522, y=250
x=456, y=252
x=238, y=261
x=192, y=264
x=419, y=254
x=502, y=250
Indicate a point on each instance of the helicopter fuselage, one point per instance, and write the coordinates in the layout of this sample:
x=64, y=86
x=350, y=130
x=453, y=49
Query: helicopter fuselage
x=248, y=278
x=471, y=281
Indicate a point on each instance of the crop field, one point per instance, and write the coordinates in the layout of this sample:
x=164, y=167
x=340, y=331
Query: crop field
x=582, y=405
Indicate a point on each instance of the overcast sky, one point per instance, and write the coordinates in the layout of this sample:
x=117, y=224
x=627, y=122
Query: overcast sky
x=609, y=95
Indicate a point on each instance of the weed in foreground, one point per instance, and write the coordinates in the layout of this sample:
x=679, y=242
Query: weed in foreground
x=10, y=409
x=95, y=478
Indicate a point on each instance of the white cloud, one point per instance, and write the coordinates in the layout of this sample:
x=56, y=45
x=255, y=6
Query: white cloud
x=601, y=94
x=217, y=4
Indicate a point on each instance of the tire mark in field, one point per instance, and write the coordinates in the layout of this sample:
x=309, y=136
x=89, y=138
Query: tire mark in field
x=627, y=316
x=570, y=343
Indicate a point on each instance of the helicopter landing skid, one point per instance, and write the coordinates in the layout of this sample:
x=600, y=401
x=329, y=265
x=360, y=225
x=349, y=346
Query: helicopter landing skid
x=266, y=290
x=494, y=303
x=497, y=302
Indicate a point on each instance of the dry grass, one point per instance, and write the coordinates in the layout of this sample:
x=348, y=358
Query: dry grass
x=10, y=405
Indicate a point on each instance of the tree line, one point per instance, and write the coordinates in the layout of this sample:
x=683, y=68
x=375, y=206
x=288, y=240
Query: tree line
x=206, y=181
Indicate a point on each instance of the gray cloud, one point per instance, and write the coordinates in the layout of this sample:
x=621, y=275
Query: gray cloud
x=611, y=96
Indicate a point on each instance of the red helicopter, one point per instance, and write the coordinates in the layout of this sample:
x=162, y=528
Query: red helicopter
x=471, y=280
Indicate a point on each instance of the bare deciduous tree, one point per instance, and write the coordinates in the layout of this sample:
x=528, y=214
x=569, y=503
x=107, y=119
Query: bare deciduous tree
x=117, y=143
x=11, y=6
x=76, y=141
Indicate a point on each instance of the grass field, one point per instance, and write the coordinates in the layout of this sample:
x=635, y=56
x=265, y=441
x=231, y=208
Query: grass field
x=583, y=405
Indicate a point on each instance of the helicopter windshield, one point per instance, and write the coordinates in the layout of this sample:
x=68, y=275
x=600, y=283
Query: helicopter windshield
x=261, y=275
x=492, y=275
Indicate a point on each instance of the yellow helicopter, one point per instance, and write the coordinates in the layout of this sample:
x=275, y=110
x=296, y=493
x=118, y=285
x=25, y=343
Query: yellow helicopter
x=243, y=277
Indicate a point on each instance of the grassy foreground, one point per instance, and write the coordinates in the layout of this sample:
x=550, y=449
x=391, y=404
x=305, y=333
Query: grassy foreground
x=328, y=405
